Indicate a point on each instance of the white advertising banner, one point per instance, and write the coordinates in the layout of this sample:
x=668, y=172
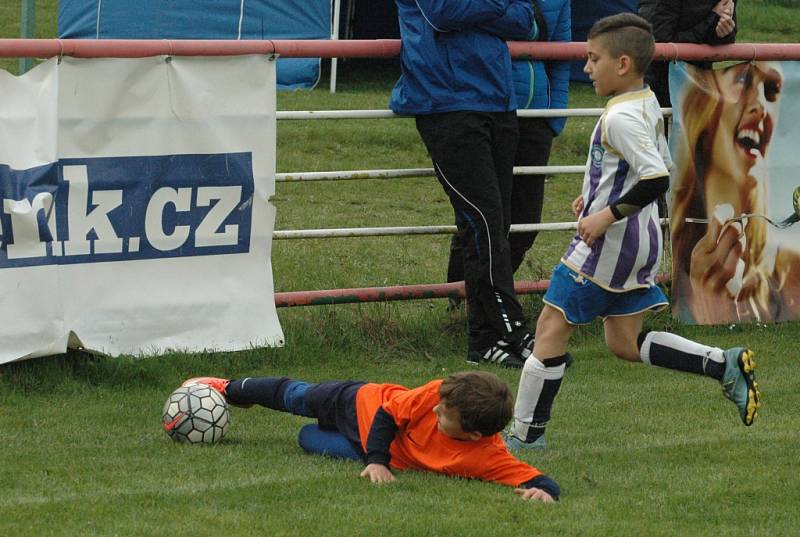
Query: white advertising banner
x=134, y=206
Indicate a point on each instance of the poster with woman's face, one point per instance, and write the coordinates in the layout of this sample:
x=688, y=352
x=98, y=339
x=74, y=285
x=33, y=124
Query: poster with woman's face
x=735, y=192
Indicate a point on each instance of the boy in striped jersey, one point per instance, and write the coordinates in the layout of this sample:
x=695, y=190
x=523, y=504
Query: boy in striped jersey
x=609, y=267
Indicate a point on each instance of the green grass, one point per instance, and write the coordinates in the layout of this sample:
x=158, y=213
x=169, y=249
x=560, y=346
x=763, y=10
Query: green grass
x=638, y=451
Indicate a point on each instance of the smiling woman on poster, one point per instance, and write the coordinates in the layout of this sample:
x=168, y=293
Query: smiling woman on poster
x=728, y=265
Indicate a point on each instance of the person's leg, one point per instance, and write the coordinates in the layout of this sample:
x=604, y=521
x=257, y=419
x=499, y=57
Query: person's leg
x=621, y=335
x=455, y=267
x=733, y=368
x=517, y=339
x=516, y=335
x=455, y=263
x=334, y=405
x=462, y=147
x=504, y=141
x=571, y=299
x=527, y=195
x=331, y=403
x=314, y=439
x=540, y=380
x=624, y=318
x=277, y=393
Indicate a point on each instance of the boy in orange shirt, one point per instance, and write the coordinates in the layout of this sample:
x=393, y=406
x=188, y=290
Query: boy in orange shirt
x=447, y=426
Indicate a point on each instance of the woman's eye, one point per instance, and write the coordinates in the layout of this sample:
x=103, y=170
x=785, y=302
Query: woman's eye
x=771, y=91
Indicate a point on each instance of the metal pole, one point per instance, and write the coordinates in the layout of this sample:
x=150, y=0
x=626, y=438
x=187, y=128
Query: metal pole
x=384, y=294
x=358, y=48
x=27, y=30
x=337, y=8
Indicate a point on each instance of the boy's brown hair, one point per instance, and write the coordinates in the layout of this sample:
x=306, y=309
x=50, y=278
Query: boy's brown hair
x=484, y=401
x=626, y=34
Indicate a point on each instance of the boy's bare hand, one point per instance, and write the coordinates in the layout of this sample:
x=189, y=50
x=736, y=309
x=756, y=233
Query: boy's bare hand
x=592, y=227
x=535, y=494
x=577, y=206
x=378, y=473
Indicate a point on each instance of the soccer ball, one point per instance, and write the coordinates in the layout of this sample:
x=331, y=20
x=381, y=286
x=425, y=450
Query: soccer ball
x=196, y=414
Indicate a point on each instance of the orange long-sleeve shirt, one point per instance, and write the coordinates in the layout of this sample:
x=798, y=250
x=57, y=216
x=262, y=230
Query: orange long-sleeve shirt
x=420, y=445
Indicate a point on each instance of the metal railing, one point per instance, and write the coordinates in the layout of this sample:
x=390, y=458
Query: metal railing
x=46, y=48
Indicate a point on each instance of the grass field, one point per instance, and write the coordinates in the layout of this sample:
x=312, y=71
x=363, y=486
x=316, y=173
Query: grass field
x=637, y=451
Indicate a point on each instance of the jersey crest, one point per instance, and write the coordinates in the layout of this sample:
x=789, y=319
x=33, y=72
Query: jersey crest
x=597, y=153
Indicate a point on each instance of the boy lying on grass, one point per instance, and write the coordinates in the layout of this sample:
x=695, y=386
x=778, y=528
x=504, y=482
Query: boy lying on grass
x=447, y=426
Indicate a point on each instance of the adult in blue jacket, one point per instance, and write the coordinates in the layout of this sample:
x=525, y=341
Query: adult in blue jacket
x=456, y=81
x=540, y=85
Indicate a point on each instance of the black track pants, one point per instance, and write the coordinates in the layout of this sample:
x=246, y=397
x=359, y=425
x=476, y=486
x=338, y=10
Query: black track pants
x=473, y=155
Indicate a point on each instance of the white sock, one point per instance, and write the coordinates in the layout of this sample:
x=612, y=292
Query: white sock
x=538, y=386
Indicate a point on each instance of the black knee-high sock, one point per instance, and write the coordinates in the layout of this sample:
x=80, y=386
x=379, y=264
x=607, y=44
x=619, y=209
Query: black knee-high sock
x=264, y=391
x=667, y=350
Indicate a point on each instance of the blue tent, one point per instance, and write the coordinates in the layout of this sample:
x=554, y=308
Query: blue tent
x=269, y=19
x=584, y=14
x=205, y=19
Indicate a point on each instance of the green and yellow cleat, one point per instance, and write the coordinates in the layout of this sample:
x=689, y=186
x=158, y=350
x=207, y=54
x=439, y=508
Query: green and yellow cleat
x=739, y=383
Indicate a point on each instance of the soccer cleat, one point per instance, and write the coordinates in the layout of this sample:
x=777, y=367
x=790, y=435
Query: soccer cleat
x=216, y=383
x=739, y=383
x=496, y=354
x=524, y=347
x=515, y=444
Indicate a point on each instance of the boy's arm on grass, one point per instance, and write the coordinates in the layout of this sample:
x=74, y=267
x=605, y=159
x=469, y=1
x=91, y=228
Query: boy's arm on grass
x=541, y=488
x=381, y=434
x=535, y=494
x=378, y=473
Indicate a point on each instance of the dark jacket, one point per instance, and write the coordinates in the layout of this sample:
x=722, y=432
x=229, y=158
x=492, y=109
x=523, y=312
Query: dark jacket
x=688, y=21
x=646, y=8
x=681, y=21
x=540, y=84
x=454, y=55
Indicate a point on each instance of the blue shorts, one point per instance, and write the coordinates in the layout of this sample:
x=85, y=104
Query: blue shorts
x=581, y=300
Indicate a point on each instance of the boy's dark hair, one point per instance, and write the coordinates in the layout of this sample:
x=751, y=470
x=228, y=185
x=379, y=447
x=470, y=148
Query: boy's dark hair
x=483, y=400
x=626, y=34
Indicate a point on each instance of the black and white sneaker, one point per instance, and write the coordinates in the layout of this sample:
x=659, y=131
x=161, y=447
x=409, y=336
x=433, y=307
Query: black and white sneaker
x=525, y=346
x=498, y=354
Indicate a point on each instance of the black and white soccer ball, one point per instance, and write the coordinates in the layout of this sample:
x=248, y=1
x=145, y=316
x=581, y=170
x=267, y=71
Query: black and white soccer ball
x=196, y=414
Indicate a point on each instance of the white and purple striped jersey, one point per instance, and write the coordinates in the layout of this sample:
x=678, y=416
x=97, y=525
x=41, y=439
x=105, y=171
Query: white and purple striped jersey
x=628, y=145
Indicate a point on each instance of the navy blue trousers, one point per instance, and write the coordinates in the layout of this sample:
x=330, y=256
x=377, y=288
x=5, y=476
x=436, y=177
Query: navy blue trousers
x=332, y=404
x=473, y=155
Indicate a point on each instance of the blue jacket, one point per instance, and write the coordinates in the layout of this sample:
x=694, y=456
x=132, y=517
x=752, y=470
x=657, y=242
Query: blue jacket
x=541, y=84
x=454, y=56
